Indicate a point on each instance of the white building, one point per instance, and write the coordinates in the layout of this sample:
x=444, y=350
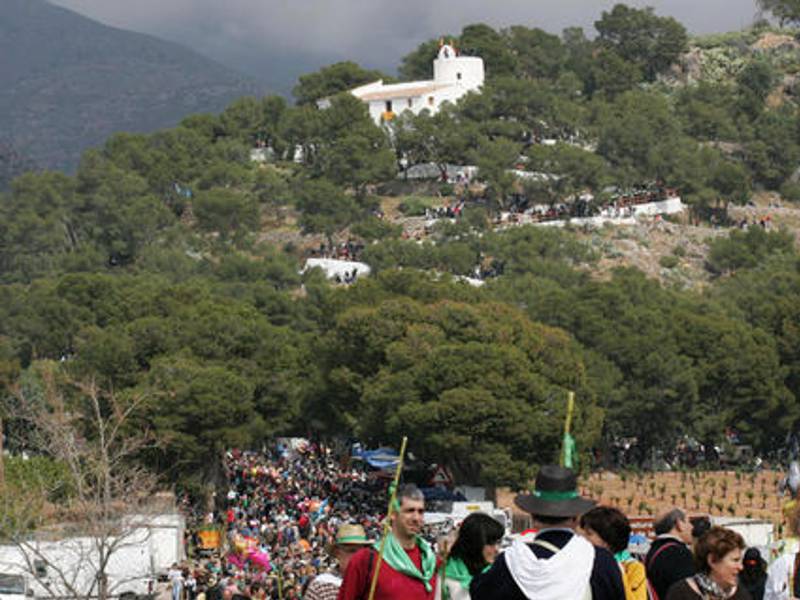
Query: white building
x=453, y=77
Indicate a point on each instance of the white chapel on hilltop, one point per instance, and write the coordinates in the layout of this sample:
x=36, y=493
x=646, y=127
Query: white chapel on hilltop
x=453, y=77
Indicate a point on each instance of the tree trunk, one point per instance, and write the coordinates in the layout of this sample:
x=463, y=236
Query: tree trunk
x=102, y=586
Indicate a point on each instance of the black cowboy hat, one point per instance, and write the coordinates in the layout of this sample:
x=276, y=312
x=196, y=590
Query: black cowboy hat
x=555, y=494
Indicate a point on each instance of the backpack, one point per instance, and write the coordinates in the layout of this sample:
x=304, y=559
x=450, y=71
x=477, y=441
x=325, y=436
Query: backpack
x=634, y=580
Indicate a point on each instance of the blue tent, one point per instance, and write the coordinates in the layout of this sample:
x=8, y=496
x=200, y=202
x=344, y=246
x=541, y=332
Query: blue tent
x=637, y=538
x=436, y=493
x=380, y=458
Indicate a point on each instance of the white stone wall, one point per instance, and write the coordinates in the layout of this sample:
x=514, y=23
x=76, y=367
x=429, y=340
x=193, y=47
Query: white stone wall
x=454, y=76
x=463, y=71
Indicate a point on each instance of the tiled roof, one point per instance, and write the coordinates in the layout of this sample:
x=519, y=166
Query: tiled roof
x=390, y=92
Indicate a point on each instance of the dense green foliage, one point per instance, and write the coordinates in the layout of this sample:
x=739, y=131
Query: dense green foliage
x=148, y=271
x=331, y=80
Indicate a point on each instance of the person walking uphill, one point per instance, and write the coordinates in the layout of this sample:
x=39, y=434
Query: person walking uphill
x=559, y=564
x=408, y=569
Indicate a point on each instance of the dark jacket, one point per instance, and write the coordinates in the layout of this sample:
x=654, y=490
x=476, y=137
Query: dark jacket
x=668, y=561
x=682, y=591
x=498, y=584
x=754, y=582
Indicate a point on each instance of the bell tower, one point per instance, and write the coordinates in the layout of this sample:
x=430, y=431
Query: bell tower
x=449, y=68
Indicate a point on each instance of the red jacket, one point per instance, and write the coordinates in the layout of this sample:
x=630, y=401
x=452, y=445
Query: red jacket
x=391, y=584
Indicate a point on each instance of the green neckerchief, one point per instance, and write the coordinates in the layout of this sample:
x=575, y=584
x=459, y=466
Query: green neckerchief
x=456, y=569
x=623, y=556
x=397, y=558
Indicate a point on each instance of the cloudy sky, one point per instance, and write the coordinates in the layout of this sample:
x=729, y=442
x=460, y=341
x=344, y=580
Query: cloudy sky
x=276, y=39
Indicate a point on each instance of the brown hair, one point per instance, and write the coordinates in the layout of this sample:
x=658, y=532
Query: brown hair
x=715, y=543
x=610, y=524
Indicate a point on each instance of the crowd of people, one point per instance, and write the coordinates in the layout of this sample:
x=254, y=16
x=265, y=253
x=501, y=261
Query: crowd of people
x=576, y=551
x=448, y=211
x=764, y=222
x=301, y=522
x=282, y=511
x=349, y=250
x=620, y=206
x=348, y=277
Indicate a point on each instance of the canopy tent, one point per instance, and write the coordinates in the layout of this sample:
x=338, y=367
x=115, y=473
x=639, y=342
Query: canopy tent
x=380, y=458
x=441, y=494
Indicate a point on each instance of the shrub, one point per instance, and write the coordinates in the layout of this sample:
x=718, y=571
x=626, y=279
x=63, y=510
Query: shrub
x=414, y=206
x=790, y=191
x=669, y=261
x=746, y=249
x=373, y=228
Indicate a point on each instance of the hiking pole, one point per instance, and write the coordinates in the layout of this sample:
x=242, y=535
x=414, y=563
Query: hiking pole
x=387, y=520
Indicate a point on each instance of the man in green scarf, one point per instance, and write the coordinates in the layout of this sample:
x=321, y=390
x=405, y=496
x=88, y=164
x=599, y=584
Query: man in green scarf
x=408, y=569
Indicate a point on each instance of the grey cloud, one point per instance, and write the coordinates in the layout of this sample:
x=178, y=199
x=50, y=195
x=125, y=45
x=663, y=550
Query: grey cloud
x=256, y=34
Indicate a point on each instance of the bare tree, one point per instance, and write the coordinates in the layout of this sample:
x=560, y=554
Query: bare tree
x=79, y=546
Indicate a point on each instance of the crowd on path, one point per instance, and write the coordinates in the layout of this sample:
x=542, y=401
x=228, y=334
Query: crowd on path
x=282, y=511
x=521, y=208
x=621, y=206
x=578, y=551
x=302, y=524
x=448, y=211
x=349, y=250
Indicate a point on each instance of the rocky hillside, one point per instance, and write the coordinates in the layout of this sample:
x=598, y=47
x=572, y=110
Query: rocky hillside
x=721, y=58
x=70, y=82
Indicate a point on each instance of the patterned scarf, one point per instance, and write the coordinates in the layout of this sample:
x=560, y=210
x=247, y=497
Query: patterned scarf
x=397, y=558
x=711, y=589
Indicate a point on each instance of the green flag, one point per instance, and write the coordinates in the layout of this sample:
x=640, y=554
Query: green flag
x=569, y=455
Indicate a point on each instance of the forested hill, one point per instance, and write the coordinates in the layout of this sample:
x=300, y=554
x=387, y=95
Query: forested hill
x=167, y=270
x=70, y=82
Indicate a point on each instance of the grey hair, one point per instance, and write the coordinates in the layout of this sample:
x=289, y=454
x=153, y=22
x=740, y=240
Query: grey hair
x=411, y=492
x=667, y=522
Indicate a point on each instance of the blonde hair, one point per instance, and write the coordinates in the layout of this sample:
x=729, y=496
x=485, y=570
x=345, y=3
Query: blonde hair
x=792, y=513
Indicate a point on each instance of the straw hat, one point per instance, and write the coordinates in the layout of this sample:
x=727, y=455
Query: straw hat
x=349, y=534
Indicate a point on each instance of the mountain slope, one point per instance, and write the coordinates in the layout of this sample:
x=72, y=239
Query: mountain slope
x=71, y=82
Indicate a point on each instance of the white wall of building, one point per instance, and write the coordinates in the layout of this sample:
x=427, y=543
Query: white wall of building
x=463, y=71
x=454, y=76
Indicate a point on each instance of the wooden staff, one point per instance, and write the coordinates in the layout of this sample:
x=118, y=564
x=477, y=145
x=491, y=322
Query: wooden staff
x=387, y=521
